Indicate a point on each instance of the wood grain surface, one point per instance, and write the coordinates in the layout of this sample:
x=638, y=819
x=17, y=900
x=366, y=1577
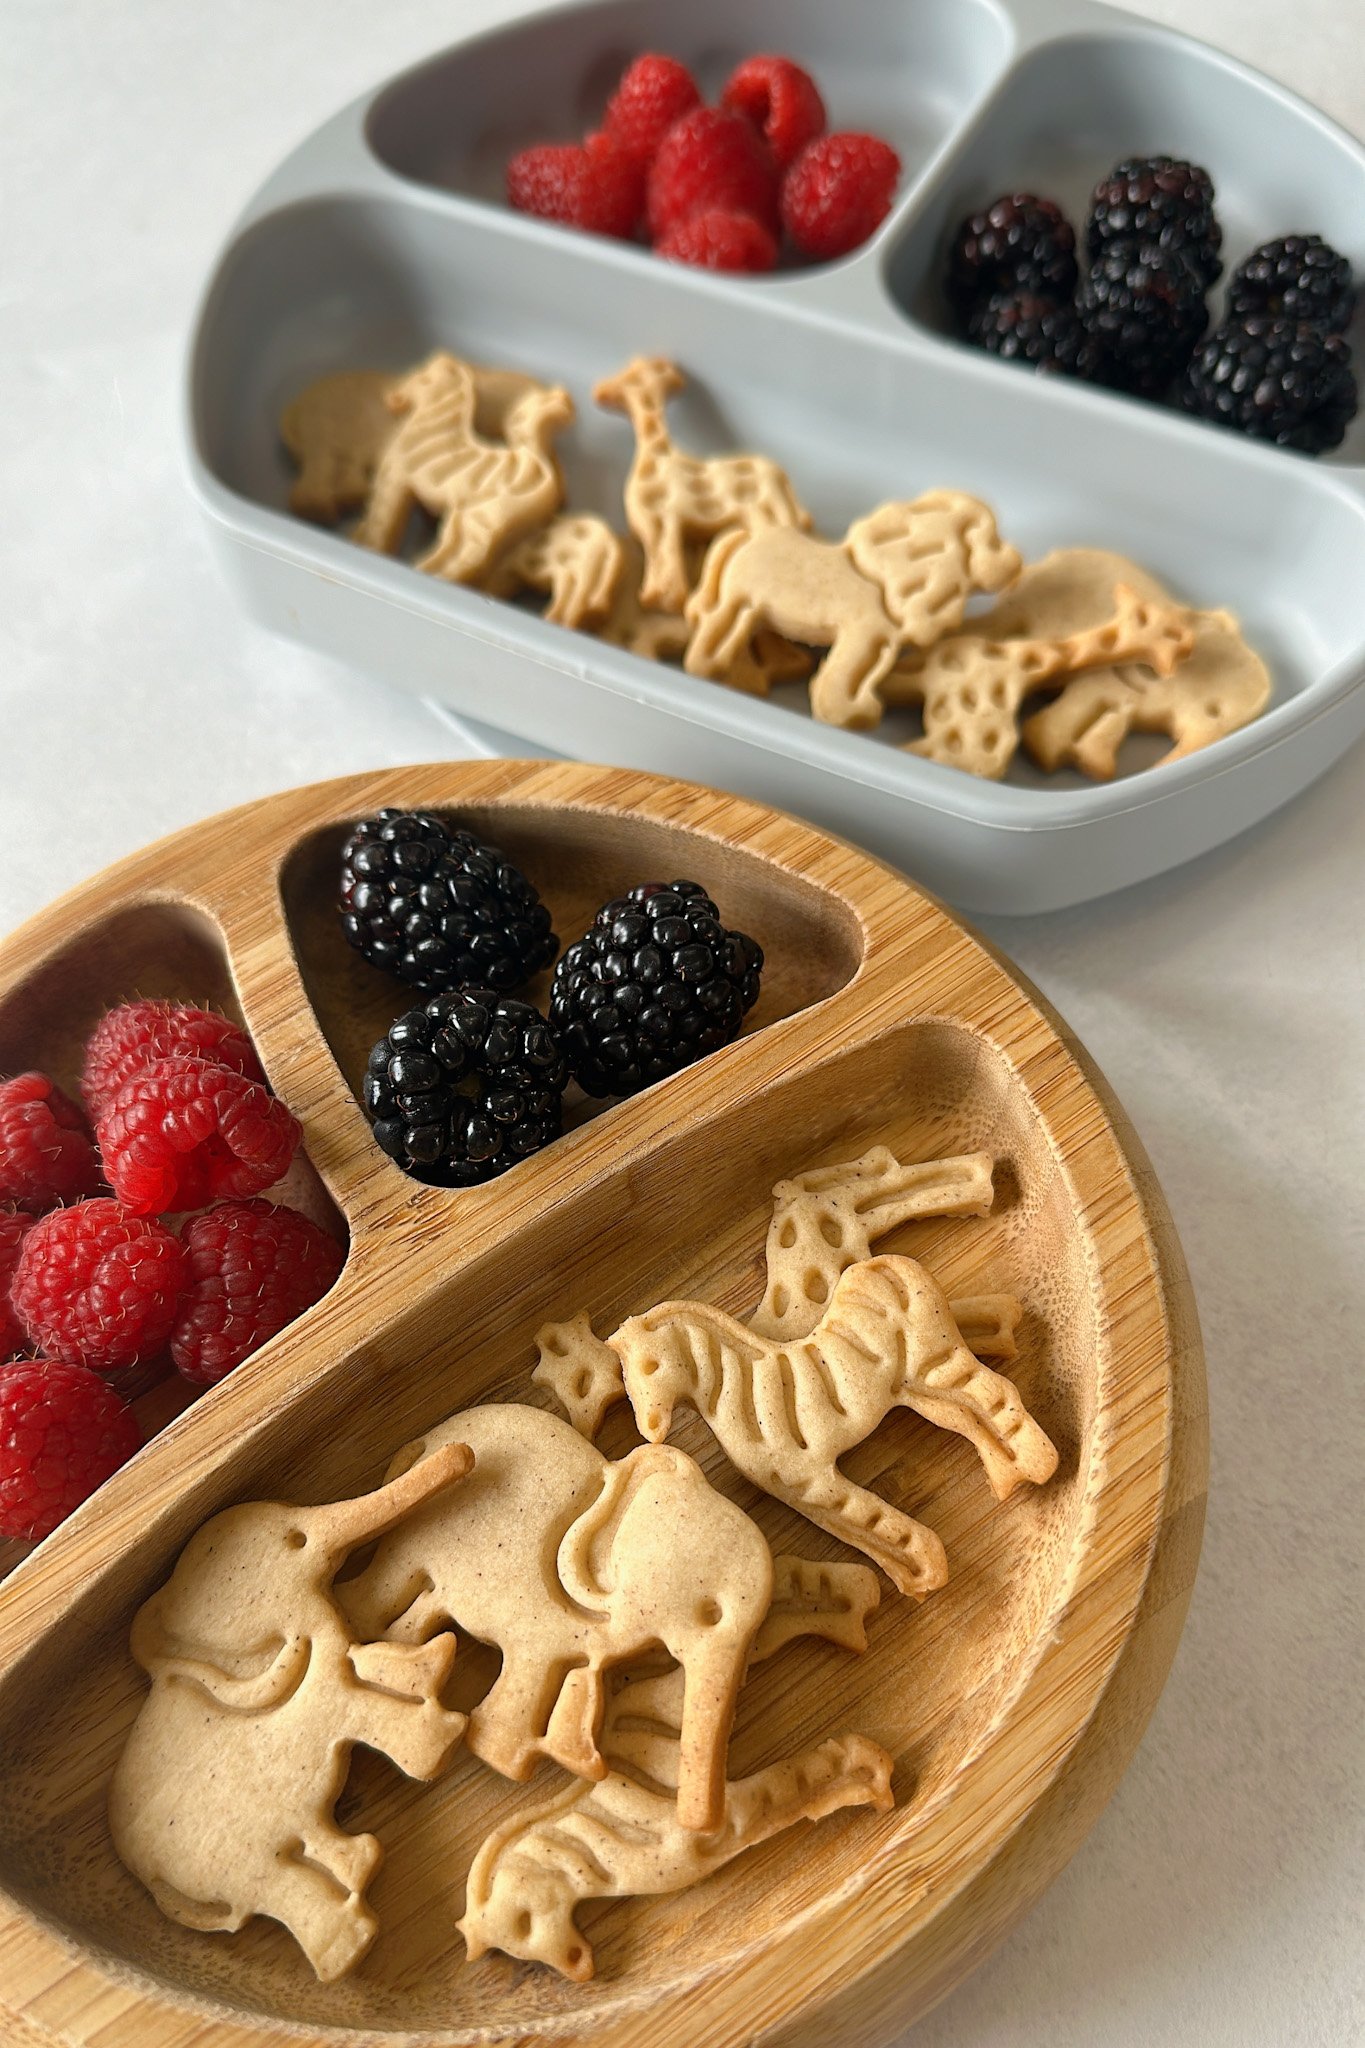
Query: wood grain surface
x=1011, y=1700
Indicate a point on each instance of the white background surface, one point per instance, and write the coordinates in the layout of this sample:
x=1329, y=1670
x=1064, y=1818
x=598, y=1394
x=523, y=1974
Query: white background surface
x=1218, y=1901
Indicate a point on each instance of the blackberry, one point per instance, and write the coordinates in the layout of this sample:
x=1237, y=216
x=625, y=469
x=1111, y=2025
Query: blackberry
x=1300, y=277
x=462, y=1089
x=1277, y=380
x=1144, y=308
x=1158, y=199
x=1017, y=244
x=654, y=983
x=1046, y=333
x=436, y=907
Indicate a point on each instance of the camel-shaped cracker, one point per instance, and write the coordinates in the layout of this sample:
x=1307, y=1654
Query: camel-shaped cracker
x=971, y=687
x=785, y=1411
x=671, y=498
x=621, y=1837
x=571, y=1563
x=899, y=578
x=221, y=1802
x=485, y=493
x=576, y=558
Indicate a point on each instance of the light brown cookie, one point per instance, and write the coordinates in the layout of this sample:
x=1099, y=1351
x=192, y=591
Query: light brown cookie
x=971, y=687
x=621, y=1837
x=900, y=577
x=222, y=1800
x=336, y=430
x=487, y=494
x=576, y=558
x=656, y=635
x=672, y=498
x=570, y=1564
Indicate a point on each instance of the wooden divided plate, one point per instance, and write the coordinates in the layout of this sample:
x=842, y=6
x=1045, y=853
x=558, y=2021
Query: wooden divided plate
x=1011, y=1701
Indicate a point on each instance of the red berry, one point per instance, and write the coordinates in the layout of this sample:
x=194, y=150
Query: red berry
x=98, y=1287
x=62, y=1432
x=183, y=1132
x=717, y=239
x=45, y=1152
x=780, y=100
x=839, y=189
x=592, y=185
x=254, y=1266
x=131, y=1037
x=655, y=91
x=710, y=159
x=14, y=1228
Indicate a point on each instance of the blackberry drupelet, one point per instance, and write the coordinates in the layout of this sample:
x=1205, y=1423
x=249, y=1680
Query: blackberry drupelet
x=434, y=906
x=1016, y=244
x=1023, y=328
x=1161, y=200
x=1276, y=380
x=462, y=1089
x=1300, y=277
x=654, y=983
x=1144, y=307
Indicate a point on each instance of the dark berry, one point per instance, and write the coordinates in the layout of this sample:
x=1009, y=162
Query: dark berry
x=1017, y=244
x=1047, y=333
x=655, y=982
x=464, y=1088
x=1300, y=277
x=434, y=906
x=1144, y=307
x=1161, y=200
x=1277, y=380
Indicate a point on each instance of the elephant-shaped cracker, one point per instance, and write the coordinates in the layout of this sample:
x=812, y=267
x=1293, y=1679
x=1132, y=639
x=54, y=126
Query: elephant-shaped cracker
x=900, y=578
x=576, y=558
x=672, y=498
x=570, y=1563
x=621, y=1837
x=486, y=493
x=851, y=1338
x=221, y=1802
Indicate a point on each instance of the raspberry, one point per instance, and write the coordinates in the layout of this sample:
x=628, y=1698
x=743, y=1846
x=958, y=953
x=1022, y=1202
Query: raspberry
x=717, y=239
x=839, y=189
x=45, y=1152
x=592, y=185
x=781, y=100
x=14, y=1228
x=710, y=159
x=183, y=1132
x=96, y=1286
x=62, y=1432
x=128, y=1039
x=253, y=1267
x=655, y=91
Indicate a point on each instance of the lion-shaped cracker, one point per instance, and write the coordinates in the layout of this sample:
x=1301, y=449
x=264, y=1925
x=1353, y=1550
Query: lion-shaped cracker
x=221, y=1802
x=621, y=1837
x=672, y=498
x=486, y=493
x=570, y=1563
x=785, y=1410
x=576, y=558
x=899, y=578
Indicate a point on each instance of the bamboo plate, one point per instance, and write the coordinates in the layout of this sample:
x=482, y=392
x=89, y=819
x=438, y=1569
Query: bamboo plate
x=1011, y=1700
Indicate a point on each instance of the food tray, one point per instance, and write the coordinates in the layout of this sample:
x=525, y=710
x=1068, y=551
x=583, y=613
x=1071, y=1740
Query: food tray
x=384, y=235
x=1011, y=1700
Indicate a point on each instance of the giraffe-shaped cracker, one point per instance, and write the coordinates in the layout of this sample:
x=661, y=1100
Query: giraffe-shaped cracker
x=972, y=687
x=486, y=493
x=672, y=498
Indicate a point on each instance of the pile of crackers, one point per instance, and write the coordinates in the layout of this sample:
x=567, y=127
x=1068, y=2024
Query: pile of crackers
x=720, y=570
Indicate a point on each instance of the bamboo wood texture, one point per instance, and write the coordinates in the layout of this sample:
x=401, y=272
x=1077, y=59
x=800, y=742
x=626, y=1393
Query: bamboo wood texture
x=1011, y=1700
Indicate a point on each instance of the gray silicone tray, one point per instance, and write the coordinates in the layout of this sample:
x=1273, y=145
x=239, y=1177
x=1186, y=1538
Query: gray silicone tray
x=384, y=236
